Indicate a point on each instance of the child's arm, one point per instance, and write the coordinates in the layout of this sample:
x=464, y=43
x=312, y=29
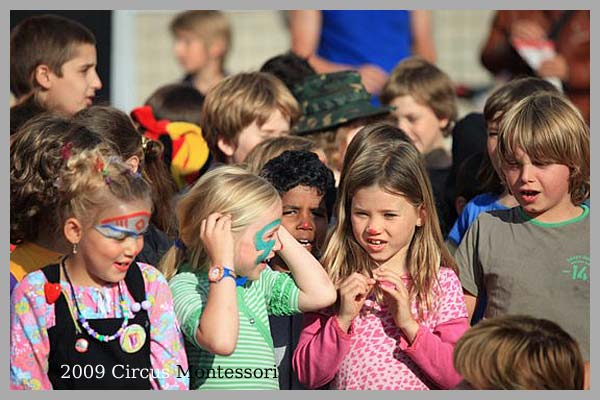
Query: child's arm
x=219, y=325
x=167, y=352
x=321, y=348
x=471, y=302
x=316, y=289
x=29, y=342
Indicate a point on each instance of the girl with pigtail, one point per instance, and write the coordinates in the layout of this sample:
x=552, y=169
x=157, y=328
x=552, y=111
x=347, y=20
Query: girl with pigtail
x=400, y=307
x=144, y=156
x=224, y=291
x=97, y=319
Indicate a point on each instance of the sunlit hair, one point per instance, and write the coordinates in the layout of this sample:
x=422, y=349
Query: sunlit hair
x=518, y=352
x=497, y=104
x=396, y=167
x=550, y=130
x=227, y=190
x=37, y=155
x=90, y=182
x=239, y=100
x=272, y=147
x=118, y=128
x=427, y=84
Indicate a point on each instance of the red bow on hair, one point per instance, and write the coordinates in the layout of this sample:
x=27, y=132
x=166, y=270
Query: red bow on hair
x=145, y=117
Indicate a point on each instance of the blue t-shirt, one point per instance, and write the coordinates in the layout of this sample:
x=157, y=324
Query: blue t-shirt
x=477, y=205
x=356, y=37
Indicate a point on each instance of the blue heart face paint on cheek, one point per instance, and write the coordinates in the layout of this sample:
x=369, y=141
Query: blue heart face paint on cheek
x=263, y=246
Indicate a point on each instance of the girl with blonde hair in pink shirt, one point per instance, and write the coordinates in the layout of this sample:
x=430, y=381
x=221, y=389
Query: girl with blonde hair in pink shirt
x=400, y=306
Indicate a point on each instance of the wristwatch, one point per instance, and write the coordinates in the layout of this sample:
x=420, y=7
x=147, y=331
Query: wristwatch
x=218, y=272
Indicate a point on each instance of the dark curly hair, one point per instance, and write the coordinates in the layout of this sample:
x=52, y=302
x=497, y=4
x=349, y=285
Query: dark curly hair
x=37, y=155
x=301, y=168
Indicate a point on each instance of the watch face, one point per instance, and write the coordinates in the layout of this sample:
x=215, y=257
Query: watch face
x=214, y=274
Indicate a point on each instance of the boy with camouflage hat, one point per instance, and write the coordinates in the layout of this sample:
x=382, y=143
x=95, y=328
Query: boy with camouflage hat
x=334, y=107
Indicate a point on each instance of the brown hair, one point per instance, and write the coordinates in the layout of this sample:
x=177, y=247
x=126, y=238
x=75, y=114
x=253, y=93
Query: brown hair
x=238, y=101
x=397, y=167
x=177, y=103
x=273, y=147
x=550, y=130
x=44, y=39
x=427, y=84
x=207, y=25
x=37, y=154
x=90, y=181
x=119, y=129
x=516, y=352
x=499, y=102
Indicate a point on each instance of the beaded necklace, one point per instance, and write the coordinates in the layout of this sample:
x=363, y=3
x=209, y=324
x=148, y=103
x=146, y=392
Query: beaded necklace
x=83, y=321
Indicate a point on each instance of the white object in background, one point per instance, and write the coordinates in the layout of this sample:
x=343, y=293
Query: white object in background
x=535, y=52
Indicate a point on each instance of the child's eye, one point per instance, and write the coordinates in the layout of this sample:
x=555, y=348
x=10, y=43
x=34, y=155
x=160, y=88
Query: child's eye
x=290, y=212
x=318, y=213
x=390, y=215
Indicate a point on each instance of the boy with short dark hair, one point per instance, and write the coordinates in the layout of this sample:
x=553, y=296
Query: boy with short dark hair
x=307, y=191
x=52, y=67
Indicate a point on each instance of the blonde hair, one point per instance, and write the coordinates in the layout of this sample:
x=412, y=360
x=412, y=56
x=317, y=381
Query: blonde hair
x=427, y=84
x=238, y=101
x=208, y=25
x=91, y=181
x=550, y=130
x=273, y=147
x=396, y=167
x=226, y=189
x=518, y=352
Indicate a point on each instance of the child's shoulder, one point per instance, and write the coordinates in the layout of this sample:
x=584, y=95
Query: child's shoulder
x=484, y=200
x=32, y=284
x=499, y=217
x=446, y=275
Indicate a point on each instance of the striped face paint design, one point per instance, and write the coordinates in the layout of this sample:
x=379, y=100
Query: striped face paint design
x=263, y=246
x=123, y=226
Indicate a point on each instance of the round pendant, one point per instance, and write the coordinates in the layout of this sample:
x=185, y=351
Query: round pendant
x=81, y=345
x=133, y=338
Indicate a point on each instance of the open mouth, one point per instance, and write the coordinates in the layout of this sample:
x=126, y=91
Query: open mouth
x=376, y=244
x=122, y=266
x=307, y=244
x=529, y=196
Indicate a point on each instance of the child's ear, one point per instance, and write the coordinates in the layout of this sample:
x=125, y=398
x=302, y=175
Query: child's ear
x=42, y=75
x=134, y=163
x=73, y=230
x=444, y=123
x=422, y=216
x=226, y=146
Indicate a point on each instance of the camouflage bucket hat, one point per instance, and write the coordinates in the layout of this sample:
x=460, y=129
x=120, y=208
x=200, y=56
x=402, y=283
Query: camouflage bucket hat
x=330, y=100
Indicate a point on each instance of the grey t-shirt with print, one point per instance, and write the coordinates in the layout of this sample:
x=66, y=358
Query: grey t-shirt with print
x=531, y=268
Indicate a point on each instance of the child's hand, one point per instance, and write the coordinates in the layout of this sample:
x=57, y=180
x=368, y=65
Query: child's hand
x=353, y=293
x=215, y=233
x=396, y=296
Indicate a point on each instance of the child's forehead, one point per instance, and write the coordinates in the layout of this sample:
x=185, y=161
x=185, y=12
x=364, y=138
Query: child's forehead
x=302, y=194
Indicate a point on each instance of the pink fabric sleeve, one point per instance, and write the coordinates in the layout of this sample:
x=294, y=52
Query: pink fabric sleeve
x=30, y=319
x=167, y=351
x=322, y=347
x=433, y=351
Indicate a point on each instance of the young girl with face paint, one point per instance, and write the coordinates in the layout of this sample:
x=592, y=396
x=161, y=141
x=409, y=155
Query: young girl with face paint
x=401, y=307
x=223, y=290
x=97, y=319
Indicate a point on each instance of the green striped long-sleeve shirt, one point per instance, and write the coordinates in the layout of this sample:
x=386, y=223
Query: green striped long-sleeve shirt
x=252, y=364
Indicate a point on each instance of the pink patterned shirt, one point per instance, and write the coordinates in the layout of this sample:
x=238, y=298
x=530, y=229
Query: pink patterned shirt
x=375, y=354
x=31, y=317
